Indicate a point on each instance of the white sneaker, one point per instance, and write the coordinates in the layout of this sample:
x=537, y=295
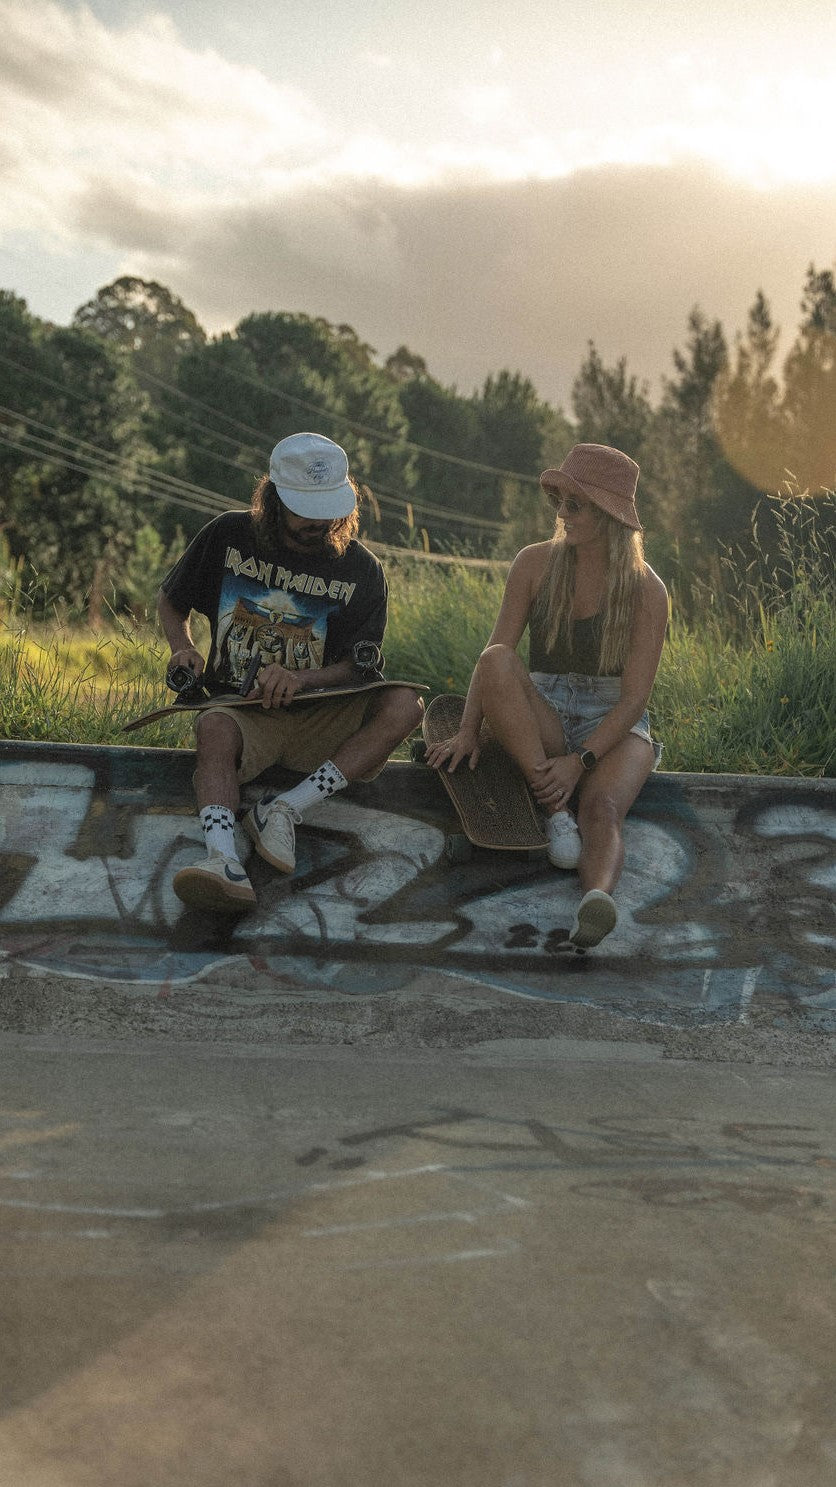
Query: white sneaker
x=596, y=916
x=270, y=823
x=218, y=882
x=564, y=849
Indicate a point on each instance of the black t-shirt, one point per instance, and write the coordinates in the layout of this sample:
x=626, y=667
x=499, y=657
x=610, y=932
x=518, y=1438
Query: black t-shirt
x=302, y=610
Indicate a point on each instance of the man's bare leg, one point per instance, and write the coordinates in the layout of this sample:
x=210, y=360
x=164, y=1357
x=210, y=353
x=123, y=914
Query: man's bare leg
x=219, y=882
x=219, y=745
x=396, y=714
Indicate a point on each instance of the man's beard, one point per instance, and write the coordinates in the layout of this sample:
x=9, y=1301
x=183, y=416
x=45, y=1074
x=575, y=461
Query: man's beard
x=315, y=540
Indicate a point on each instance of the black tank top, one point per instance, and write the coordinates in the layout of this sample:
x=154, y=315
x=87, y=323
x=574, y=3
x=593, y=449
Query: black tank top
x=584, y=657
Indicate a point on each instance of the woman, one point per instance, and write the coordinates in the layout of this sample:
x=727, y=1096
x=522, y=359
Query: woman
x=577, y=721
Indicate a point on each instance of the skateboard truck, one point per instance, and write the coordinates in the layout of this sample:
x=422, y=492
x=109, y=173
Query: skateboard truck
x=189, y=688
x=368, y=660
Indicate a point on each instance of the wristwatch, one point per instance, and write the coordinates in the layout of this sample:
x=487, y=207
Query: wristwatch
x=588, y=759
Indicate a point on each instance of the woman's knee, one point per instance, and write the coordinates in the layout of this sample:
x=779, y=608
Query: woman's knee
x=498, y=663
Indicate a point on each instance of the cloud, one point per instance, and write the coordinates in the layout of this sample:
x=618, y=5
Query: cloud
x=134, y=107
x=503, y=243
x=487, y=104
x=512, y=274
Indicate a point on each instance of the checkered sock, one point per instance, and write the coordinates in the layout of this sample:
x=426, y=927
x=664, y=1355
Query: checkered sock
x=318, y=786
x=218, y=824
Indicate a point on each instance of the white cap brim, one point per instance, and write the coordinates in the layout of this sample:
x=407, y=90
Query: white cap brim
x=321, y=505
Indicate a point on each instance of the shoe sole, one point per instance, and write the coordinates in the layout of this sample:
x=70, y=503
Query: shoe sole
x=594, y=920
x=252, y=832
x=566, y=866
x=201, y=891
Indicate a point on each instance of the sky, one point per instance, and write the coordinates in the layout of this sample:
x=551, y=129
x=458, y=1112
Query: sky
x=492, y=184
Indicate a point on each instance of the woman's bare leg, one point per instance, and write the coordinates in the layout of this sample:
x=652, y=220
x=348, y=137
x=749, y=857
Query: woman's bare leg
x=606, y=796
x=518, y=717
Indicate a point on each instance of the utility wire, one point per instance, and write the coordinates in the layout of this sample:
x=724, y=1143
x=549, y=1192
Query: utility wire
x=117, y=463
x=445, y=513
x=73, y=455
x=48, y=457
x=362, y=428
x=381, y=435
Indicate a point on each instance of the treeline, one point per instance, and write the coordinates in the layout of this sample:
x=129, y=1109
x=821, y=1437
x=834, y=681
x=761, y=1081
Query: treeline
x=122, y=433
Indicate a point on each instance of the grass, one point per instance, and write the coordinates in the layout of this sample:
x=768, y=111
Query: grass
x=746, y=686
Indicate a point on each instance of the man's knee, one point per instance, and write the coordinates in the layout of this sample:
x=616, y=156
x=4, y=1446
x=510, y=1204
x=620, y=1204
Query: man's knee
x=218, y=736
x=400, y=710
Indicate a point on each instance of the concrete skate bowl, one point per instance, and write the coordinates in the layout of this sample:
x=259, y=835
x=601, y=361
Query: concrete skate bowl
x=726, y=902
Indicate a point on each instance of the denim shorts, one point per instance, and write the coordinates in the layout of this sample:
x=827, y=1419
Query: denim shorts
x=582, y=702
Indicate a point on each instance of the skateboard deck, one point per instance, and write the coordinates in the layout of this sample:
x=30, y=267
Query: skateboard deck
x=234, y=699
x=492, y=801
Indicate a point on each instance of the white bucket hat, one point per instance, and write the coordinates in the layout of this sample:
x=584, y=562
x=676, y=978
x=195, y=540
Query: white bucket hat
x=310, y=474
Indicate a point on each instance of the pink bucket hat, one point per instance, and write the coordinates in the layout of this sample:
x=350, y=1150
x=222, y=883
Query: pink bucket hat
x=597, y=473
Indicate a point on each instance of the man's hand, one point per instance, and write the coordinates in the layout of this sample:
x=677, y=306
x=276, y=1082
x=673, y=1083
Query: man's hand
x=277, y=686
x=451, y=751
x=555, y=781
x=189, y=657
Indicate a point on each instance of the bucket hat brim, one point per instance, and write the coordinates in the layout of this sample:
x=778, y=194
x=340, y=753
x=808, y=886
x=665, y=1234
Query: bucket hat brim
x=621, y=508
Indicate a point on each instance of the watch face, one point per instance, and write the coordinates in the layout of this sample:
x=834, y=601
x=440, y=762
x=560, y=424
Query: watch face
x=588, y=759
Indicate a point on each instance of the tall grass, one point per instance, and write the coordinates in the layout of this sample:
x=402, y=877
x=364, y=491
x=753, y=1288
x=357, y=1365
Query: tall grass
x=440, y=619
x=746, y=685
x=750, y=685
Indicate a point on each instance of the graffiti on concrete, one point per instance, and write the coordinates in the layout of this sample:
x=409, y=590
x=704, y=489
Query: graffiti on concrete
x=726, y=902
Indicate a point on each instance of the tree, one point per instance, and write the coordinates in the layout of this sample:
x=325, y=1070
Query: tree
x=747, y=413
x=146, y=319
x=321, y=374
x=74, y=503
x=809, y=402
x=23, y=366
x=233, y=419
x=683, y=459
x=404, y=364
x=610, y=406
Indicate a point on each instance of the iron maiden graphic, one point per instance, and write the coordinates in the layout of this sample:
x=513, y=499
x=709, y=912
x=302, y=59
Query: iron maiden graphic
x=285, y=625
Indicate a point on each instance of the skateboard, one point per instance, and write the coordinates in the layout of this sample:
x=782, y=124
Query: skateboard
x=234, y=699
x=493, y=802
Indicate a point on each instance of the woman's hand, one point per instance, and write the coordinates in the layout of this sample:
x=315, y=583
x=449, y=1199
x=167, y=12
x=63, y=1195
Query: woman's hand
x=555, y=781
x=276, y=686
x=451, y=751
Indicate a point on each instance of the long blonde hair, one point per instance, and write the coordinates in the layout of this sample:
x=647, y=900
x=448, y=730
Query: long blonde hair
x=626, y=567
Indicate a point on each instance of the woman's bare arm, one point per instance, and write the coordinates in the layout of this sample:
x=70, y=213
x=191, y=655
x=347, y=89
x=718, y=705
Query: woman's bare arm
x=521, y=585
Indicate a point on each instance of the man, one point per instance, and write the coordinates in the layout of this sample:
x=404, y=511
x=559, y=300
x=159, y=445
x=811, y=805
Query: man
x=288, y=585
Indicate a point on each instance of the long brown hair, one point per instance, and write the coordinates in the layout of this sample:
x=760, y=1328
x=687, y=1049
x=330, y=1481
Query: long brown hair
x=626, y=568
x=267, y=513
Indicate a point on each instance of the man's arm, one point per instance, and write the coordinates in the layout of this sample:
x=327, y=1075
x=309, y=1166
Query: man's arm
x=177, y=630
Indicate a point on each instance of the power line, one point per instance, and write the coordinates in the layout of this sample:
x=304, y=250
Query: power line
x=379, y=434
x=444, y=513
x=46, y=451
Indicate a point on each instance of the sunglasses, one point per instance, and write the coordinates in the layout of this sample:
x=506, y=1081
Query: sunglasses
x=569, y=504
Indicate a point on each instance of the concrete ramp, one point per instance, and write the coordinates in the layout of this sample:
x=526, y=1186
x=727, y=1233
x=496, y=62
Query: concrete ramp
x=727, y=900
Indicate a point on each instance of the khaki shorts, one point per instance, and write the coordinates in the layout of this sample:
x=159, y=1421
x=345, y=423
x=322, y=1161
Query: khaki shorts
x=300, y=737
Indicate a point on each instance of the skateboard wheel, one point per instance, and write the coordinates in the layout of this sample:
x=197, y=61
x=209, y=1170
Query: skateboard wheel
x=457, y=848
x=418, y=751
